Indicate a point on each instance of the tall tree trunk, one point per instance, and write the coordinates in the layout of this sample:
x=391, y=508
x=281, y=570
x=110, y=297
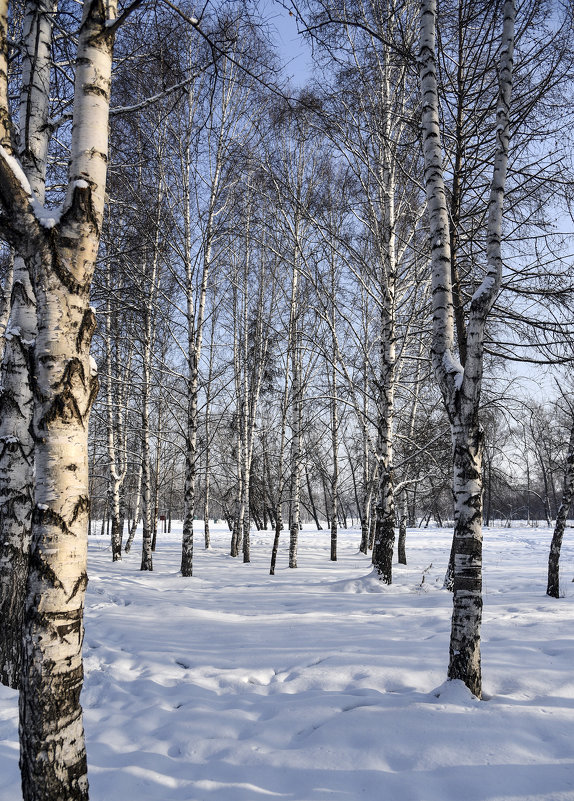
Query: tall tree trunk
x=296, y=446
x=16, y=471
x=52, y=750
x=461, y=385
x=385, y=524
x=116, y=476
x=16, y=398
x=147, y=558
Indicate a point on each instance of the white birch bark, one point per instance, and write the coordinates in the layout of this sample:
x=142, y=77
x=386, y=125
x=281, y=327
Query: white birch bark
x=385, y=520
x=17, y=477
x=147, y=558
x=296, y=417
x=195, y=326
x=16, y=471
x=281, y=477
x=461, y=387
x=148, y=339
x=117, y=471
x=207, y=458
x=5, y=304
x=137, y=513
x=237, y=532
x=334, y=420
x=53, y=758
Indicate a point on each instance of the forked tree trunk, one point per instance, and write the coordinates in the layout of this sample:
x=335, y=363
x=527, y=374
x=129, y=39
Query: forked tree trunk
x=52, y=755
x=460, y=386
x=16, y=399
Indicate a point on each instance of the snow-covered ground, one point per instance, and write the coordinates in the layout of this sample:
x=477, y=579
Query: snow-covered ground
x=320, y=683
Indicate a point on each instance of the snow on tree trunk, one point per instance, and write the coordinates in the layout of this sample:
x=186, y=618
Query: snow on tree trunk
x=553, y=586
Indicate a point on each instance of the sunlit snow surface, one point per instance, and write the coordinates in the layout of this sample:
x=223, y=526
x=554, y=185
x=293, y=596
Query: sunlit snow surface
x=320, y=683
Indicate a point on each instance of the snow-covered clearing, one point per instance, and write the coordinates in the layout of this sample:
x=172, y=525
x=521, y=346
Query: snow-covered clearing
x=320, y=683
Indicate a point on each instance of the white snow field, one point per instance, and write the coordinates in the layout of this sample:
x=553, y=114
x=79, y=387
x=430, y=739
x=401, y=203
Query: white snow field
x=320, y=683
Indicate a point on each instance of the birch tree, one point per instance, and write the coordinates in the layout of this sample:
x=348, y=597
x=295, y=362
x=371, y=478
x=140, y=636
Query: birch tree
x=16, y=393
x=461, y=386
x=59, y=248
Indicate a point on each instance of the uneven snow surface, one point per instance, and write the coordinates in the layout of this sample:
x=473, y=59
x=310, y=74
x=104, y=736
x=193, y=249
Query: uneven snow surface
x=320, y=683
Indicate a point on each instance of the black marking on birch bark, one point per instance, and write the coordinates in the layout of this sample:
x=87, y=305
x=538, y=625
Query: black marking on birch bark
x=80, y=212
x=48, y=517
x=64, y=408
x=19, y=294
x=94, y=89
x=74, y=368
x=43, y=570
x=94, y=389
x=63, y=274
x=8, y=509
x=72, y=614
x=82, y=506
x=86, y=329
x=8, y=405
x=70, y=626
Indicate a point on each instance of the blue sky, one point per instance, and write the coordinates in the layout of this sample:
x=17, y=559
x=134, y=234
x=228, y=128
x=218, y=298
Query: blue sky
x=292, y=50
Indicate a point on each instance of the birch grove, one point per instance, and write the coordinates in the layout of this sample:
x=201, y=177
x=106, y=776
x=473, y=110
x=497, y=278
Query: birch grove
x=308, y=297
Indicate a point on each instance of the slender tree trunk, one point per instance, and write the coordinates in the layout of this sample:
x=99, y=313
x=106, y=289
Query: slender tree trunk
x=5, y=304
x=116, y=477
x=136, y=516
x=335, y=459
x=296, y=460
x=312, y=500
x=553, y=587
x=280, y=480
x=206, y=534
x=402, y=549
x=16, y=472
x=147, y=559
